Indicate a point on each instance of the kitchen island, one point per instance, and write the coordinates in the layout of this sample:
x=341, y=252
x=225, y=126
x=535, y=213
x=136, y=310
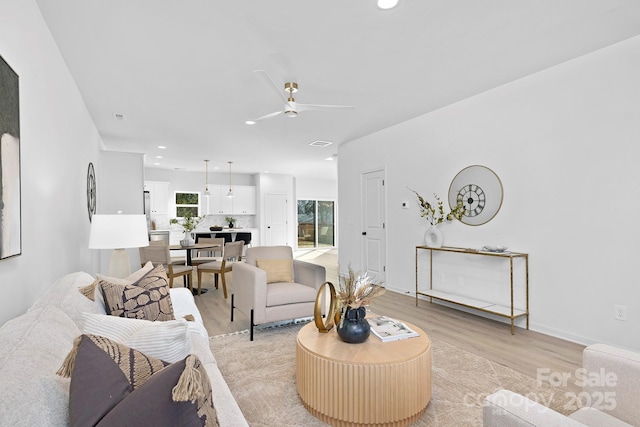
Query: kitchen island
x=233, y=232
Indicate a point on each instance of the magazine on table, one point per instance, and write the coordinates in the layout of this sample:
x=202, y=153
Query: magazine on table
x=388, y=329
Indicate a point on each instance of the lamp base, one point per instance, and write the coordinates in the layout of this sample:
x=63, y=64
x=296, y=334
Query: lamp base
x=119, y=265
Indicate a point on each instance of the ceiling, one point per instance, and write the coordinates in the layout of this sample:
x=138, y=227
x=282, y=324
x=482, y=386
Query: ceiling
x=182, y=72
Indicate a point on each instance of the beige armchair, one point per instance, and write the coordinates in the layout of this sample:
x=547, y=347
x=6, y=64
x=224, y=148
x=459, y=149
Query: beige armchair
x=271, y=286
x=611, y=385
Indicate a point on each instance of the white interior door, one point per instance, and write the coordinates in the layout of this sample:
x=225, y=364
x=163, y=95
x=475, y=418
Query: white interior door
x=373, y=220
x=276, y=219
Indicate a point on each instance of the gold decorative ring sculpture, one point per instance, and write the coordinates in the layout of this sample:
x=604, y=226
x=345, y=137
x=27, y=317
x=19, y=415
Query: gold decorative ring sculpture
x=317, y=312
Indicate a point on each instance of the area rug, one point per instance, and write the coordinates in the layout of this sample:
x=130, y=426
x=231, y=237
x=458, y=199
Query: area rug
x=261, y=376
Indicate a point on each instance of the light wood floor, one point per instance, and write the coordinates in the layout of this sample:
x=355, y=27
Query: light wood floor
x=525, y=352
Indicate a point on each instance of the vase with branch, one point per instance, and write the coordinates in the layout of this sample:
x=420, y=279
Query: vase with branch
x=188, y=223
x=355, y=291
x=435, y=215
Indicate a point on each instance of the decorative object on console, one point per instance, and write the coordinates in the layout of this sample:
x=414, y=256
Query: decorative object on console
x=230, y=220
x=480, y=191
x=433, y=237
x=10, y=211
x=118, y=232
x=355, y=291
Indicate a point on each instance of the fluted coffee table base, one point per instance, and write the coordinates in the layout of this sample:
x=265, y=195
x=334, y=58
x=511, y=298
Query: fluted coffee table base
x=373, y=383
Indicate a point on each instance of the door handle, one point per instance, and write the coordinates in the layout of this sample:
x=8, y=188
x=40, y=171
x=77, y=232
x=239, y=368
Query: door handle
x=364, y=233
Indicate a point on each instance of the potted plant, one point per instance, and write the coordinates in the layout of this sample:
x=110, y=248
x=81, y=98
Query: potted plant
x=231, y=221
x=188, y=223
x=354, y=292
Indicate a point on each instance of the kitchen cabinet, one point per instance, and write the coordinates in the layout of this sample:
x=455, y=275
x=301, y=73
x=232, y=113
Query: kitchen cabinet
x=219, y=203
x=158, y=196
x=245, y=201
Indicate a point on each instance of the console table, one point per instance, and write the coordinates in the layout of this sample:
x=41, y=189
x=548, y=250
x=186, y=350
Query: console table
x=509, y=311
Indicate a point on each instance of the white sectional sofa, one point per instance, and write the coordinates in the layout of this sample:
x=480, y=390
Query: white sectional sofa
x=33, y=346
x=610, y=380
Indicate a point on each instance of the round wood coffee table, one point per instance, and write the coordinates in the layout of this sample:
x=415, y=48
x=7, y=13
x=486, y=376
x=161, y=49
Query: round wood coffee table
x=386, y=384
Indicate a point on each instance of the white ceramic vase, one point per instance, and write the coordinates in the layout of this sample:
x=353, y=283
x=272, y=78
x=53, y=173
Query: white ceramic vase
x=433, y=237
x=188, y=239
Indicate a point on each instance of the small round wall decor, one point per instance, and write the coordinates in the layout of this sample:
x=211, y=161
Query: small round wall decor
x=91, y=191
x=480, y=191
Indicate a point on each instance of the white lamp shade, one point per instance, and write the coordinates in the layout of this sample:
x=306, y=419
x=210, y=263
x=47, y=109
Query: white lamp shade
x=118, y=232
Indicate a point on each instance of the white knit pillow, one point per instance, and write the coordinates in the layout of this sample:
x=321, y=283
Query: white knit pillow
x=168, y=340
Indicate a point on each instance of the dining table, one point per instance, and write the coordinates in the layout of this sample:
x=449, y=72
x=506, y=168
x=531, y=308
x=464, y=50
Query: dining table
x=189, y=249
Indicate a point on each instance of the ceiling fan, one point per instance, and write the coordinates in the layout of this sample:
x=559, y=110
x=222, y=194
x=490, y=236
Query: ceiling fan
x=291, y=107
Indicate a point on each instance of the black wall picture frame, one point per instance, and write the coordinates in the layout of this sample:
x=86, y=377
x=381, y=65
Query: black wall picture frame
x=10, y=193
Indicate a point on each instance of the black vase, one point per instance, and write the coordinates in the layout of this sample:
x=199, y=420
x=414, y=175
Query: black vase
x=353, y=327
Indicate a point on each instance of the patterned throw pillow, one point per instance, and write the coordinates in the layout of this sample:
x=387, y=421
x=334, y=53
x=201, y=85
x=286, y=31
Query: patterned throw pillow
x=89, y=290
x=112, y=384
x=147, y=299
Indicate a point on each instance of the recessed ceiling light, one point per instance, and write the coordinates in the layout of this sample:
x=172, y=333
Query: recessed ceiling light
x=250, y=122
x=156, y=164
x=162, y=147
x=387, y=4
x=320, y=143
x=158, y=157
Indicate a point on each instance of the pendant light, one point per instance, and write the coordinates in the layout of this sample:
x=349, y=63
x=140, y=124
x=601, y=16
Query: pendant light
x=230, y=193
x=206, y=178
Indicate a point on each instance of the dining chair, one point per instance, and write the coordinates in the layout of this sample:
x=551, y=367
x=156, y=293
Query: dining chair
x=208, y=255
x=232, y=255
x=159, y=254
x=175, y=260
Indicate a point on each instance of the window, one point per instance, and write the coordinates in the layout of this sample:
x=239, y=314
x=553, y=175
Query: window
x=187, y=204
x=316, y=223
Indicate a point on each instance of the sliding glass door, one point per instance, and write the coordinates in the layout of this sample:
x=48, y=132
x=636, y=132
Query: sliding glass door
x=316, y=223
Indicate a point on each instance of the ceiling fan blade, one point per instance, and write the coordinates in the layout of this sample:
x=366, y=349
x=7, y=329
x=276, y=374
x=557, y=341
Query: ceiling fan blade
x=267, y=116
x=269, y=81
x=307, y=107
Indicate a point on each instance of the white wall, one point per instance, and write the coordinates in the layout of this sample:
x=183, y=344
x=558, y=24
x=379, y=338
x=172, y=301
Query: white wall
x=318, y=189
x=58, y=140
x=565, y=143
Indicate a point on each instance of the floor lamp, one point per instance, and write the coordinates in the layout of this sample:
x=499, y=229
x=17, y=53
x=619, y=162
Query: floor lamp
x=118, y=232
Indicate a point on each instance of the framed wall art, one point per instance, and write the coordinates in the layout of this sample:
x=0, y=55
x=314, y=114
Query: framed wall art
x=10, y=210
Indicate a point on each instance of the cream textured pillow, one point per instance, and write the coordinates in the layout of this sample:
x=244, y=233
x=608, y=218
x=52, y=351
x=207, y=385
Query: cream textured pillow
x=168, y=340
x=278, y=270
